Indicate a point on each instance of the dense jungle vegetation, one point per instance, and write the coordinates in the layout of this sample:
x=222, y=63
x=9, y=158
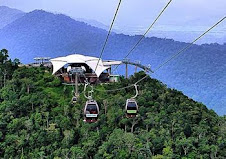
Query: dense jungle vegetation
x=37, y=120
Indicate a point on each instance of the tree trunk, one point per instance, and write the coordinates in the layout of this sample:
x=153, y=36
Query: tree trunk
x=98, y=132
x=77, y=122
x=172, y=129
x=133, y=124
x=148, y=147
x=200, y=135
x=185, y=150
x=4, y=78
x=132, y=128
x=32, y=106
x=47, y=121
x=105, y=106
x=28, y=89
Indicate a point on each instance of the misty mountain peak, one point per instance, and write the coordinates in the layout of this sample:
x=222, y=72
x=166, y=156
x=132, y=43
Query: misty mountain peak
x=8, y=15
x=5, y=8
x=39, y=11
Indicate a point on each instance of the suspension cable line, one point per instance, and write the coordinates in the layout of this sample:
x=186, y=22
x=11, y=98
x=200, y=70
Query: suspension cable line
x=143, y=36
x=188, y=46
x=109, y=32
x=171, y=58
x=113, y=90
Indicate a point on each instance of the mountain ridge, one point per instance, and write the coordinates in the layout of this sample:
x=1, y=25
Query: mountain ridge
x=185, y=32
x=8, y=15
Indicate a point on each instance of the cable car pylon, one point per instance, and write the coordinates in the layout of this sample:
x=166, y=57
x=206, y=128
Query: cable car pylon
x=75, y=89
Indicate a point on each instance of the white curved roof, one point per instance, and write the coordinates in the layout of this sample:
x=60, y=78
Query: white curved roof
x=59, y=62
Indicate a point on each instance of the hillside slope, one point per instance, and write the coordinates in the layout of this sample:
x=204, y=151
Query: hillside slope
x=38, y=121
x=199, y=72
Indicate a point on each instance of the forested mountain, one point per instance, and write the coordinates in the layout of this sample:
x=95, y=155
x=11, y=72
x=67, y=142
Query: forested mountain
x=38, y=120
x=8, y=15
x=199, y=72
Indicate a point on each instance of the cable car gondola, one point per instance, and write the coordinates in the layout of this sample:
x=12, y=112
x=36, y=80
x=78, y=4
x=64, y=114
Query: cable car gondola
x=91, y=111
x=131, y=105
x=131, y=108
x=74, y=99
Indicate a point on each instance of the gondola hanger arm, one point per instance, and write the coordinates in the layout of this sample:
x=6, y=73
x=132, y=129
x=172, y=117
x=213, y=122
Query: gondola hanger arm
x=90, y=93
x=136, y=88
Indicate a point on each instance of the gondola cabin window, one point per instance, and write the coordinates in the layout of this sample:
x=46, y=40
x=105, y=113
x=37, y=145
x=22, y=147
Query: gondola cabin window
x=132, y=107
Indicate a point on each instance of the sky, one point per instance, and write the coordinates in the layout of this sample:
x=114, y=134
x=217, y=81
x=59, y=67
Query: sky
x=131, y=13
